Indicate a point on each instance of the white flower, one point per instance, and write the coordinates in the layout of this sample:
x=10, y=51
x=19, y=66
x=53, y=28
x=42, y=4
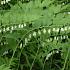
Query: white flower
x=57, y=30
x=54, y=29
x=21, y=45
x=15, y=26
x=6, y=52
x=1, y=43
x=57, y=51
x=63, y=3
x=21, y=25
x=69, y=28
x=61, y=38
x=4, y=29
x=12, y=27
x=68, y=12
x=26, y=41
x=39, y=32
x=49, y=55
x=48, y=40
x=49, y=31
x=62, y=29
x=34, y=34
x=24, y=24
x=64, y=37
x=7, y=28
x=2, y=2
x=57, y=38
x=44, y=30
x=0, y=30
x=29, y=35
x=67, y=36
x=7, y=1
x=65, y=28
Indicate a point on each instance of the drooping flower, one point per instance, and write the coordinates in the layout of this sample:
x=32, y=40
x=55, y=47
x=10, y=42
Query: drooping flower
x=44, y=30
x=64, y=37
x=4, y=29
x=29, y=35
x=7, y=29
x=26, y=41
x=0, y=30
x=24, y=24
x=62, y=29
x=49, y=31
x=68, y=12
x=34, y=34
x=39, y=32
x=54, y=29
x=15, y=26
x=21, y=25
x=57, y=30
x=61, y=37
x=12, y=27
x=55, y=38
x=66, y=28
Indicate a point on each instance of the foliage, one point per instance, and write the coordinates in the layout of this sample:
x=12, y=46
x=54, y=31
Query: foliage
x=35, y=35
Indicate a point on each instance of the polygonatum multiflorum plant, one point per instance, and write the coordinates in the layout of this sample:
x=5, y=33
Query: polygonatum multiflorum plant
x=34, y=34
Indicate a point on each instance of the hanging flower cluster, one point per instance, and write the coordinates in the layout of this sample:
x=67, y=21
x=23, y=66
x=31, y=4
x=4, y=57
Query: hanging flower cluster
x=44, y=31
x=4, y=1
x=12, y=27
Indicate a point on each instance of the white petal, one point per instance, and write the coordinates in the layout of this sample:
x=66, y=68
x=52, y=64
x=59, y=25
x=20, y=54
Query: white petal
x=19, y=26
x=39, y=32
x=29, y=35
x=61, y=37
x=7, y=1
x=48, y=40
x=55, y=38
x=4, y=29
x=21, y=45
x=0, y=31
x=2, y=2
x=15, y=26
x=57, y=30
x=7, y=28
x=6, y=52
x=54, y=29
x=62, y=29
x=12, y=27
x=57, y=51
x=67, y=36
x=34, y=34
x=69, y=28
x=64, y=37
x=26, y=41
x=49, y=31
x=24, y=24
x=65, y=28
x=44, y=31
x=68, y=12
